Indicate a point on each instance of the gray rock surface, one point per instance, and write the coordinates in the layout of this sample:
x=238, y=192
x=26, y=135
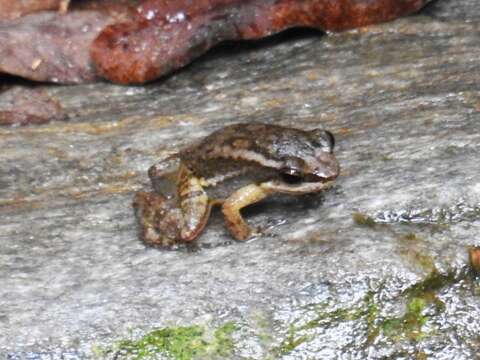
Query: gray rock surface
x=375, y=268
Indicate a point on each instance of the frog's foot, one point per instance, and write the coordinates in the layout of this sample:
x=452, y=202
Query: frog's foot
x=158, y=219
x=241, y=198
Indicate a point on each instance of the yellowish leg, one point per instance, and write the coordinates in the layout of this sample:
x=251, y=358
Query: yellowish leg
x=193, y=202
x=241, y=198
x=63, y=7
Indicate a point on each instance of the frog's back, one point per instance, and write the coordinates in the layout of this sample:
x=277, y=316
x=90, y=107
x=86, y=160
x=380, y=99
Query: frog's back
x=253, y=153
x=261, y=143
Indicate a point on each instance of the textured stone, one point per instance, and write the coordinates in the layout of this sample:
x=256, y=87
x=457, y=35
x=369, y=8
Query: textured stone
x=377, y=267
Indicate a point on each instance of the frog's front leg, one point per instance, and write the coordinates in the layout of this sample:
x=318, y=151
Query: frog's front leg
x=193, y=202
x=241, y=198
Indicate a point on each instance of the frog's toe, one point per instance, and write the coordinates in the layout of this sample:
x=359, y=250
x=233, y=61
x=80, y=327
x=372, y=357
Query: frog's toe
x=257, y=232
x=238, y=228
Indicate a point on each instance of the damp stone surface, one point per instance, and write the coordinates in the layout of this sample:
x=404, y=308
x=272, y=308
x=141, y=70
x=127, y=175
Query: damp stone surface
x=375, y=268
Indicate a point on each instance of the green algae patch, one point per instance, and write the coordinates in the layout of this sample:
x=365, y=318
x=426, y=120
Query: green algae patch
x=419, y=297
x=409, y=326
x=415, y=251
x=363, y=220
x=421, y=304
x=386, y=157
x=291, y=342
x=179, y=343
x=300, y=333
x=410, y=237
x=434, y=282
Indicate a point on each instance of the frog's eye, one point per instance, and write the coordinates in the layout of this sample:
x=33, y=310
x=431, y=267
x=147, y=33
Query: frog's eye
x=291, y=175
x=324, y=139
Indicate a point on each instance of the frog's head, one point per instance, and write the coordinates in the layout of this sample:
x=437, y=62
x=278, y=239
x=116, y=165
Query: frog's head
x=313, y=160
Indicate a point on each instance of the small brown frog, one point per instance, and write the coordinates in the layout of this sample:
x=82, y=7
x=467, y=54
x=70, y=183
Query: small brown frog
x=234, y=167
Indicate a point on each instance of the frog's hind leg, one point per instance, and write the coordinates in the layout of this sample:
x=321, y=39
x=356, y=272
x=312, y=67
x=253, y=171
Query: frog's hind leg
x=194, y=203
x=157, y=218
x=241, y=198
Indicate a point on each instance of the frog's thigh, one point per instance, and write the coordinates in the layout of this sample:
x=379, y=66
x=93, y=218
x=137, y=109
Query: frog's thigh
x=194, y=203
x=234, y=203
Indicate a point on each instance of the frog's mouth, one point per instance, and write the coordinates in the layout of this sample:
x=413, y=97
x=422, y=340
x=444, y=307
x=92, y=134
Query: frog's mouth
x=325, y=173
x=296, y=186
x=309, y=178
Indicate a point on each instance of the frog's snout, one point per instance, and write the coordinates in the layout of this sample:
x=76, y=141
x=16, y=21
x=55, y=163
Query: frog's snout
x=327, y=166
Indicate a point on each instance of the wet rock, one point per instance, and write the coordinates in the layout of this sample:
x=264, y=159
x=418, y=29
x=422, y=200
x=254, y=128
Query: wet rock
x=377, y=267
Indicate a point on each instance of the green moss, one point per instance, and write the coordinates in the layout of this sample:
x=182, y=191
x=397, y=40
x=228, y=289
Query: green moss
x=263, y=329
x=432, y=283
x=292, y=341
x=363, y=220
x=297, y=334
x=411, y=237
x=420, y=355
x=421, y=303
x=409, y=326
x=386, y=157
x=414, y=250
x=223, y=343
x=419, y=296
x=181, y=343
x=371, y=316
x=426, y=262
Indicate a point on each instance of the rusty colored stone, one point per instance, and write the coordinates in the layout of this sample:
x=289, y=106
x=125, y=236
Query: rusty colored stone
x=22, y=106
x=474, y=257
x=150, y=38
x=55, y=47
x=166, y=35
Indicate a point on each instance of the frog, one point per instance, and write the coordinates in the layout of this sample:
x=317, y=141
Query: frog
x=233, y=167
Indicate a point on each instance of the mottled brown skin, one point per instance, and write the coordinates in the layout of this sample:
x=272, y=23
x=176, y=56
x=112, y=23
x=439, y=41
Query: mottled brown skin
x=168, y=34
x=234, y=167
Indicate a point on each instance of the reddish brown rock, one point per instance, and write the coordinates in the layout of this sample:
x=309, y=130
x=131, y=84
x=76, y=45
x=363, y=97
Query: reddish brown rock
x=139, y=41
x=51, y=47
x=167, y=35
x=474, y=257
x=22, y=106
x=55, y=47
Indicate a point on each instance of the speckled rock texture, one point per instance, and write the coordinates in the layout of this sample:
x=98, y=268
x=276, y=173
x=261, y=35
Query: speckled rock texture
x=375, y=268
